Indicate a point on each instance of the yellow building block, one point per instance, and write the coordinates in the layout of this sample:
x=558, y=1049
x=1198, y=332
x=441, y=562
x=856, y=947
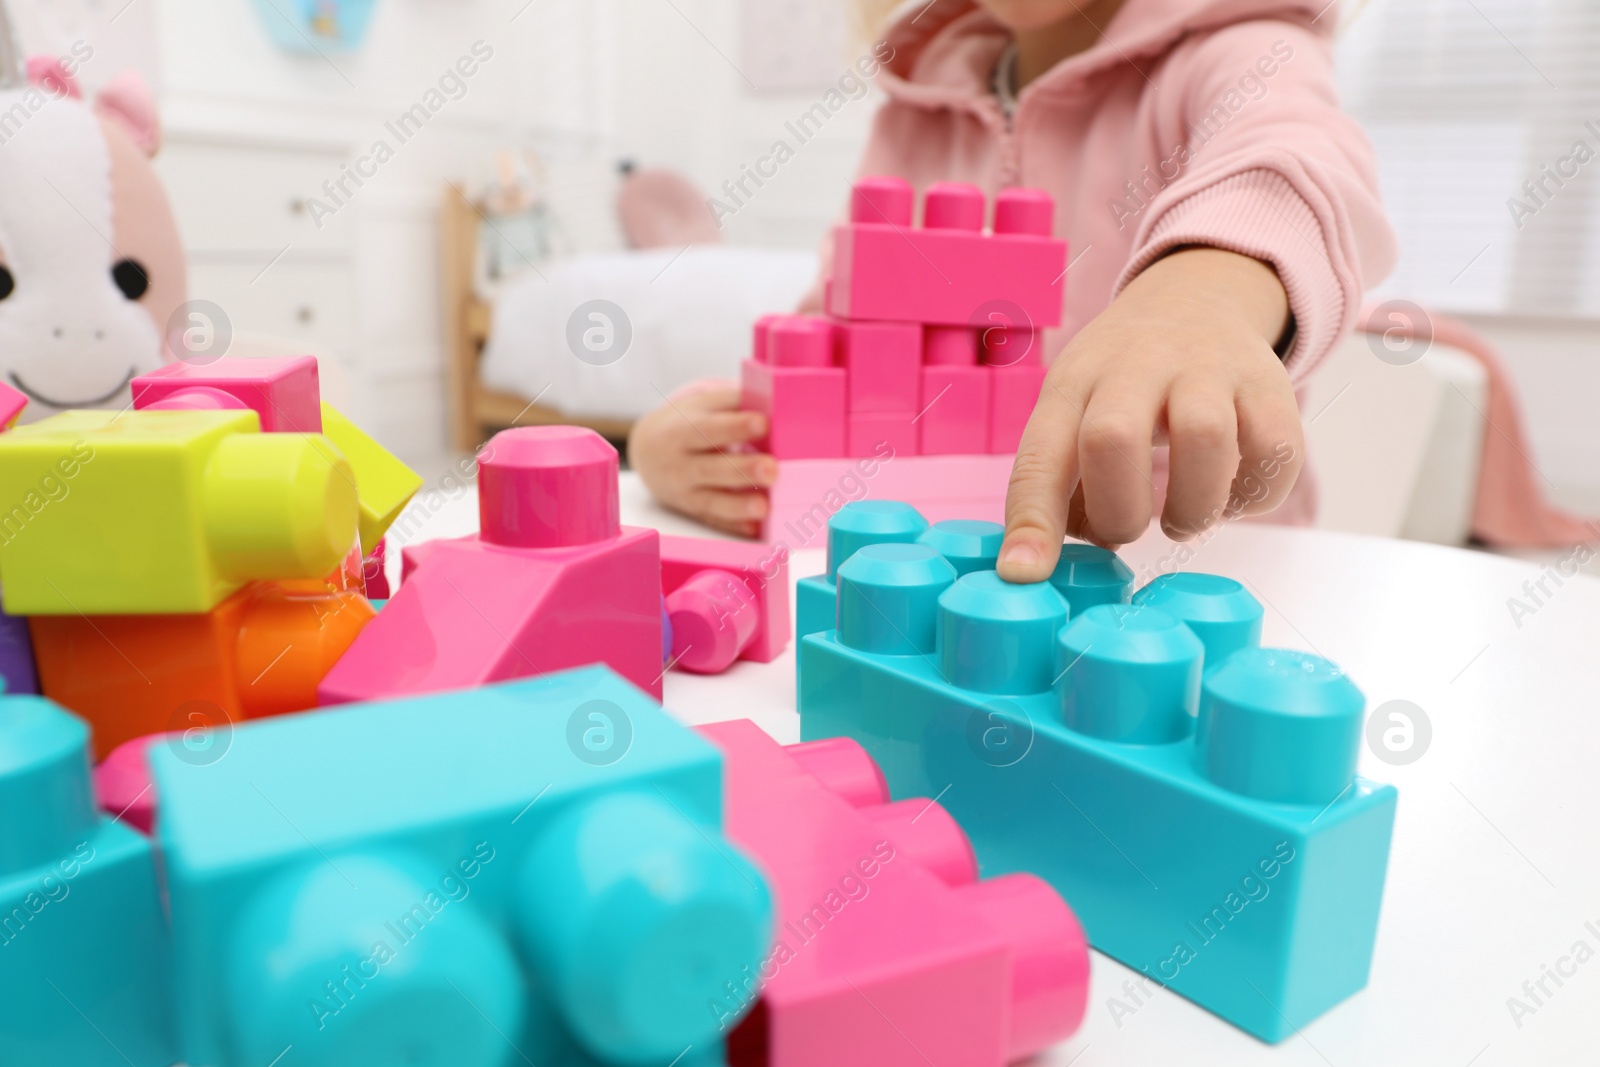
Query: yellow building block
x=383, y=483
x=164, y=512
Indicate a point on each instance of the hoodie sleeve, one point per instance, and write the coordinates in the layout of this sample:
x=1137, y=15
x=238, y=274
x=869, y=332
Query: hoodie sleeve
x=1265, y=163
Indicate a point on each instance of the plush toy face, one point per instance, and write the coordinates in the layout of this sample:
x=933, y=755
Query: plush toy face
x=91, y=266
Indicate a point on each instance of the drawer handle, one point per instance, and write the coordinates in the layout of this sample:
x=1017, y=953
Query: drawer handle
x=297, y=206
x=305, y=314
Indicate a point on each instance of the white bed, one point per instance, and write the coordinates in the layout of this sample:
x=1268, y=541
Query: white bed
x=689, y=312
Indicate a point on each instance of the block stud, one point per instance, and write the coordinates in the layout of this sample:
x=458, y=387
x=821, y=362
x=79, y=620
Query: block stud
x=1280, y=726
x=1049, y=962
x=637, y=921
x=1129, y=674
x=548, y=487
x=929, y=837
x=197, y=398
x=870, y=522
x=279, y=505
x=1087, y=575
x=889, y=596
x=318, y=932
x=46, y=807
x=759, y=334
x=968, y=544
x=997, y=637
x=841, y=764
x=1024, y=211
x=800, y=341
x=713, y=618
x=1220, y=611
x=953, y=206
x=882, y=202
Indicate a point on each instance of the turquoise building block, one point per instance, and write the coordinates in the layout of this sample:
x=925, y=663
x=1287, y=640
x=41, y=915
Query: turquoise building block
x=1204, y=819
x=529, y=872
x=84, y=967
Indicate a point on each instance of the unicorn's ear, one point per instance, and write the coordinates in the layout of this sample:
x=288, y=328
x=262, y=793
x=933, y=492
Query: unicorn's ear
x=126, y=99
x=51, y=75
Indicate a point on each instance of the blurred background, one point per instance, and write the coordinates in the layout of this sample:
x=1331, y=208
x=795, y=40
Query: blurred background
x=344, y=186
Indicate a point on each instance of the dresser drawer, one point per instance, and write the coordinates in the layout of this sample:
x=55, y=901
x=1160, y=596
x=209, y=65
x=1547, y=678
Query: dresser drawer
x=309, y=302
x=231, y=197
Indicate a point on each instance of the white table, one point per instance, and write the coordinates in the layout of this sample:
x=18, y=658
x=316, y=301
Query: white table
x=1495, y=868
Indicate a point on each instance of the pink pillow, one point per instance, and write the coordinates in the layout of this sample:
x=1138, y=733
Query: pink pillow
x=663, y=209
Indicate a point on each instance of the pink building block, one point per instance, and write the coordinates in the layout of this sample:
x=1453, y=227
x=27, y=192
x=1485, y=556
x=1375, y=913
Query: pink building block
x=800, y=341
x=947, y=273
x=727, y=600
x=283, y=390
x=882, y=361
x=809, y=491
x=122, y=784
x=954, y=415
x=805, y=408
x=888, y=948
x=950, y=346
x=551, y=581
x=1013, y=393
x=12, y=401
x=872, y=431
x=374, y=571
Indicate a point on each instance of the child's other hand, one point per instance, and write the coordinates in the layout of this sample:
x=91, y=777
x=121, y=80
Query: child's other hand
x=687, y=453
x=1183, y=356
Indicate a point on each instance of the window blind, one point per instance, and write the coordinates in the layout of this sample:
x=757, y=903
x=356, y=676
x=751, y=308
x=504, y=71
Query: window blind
x=1485, y=115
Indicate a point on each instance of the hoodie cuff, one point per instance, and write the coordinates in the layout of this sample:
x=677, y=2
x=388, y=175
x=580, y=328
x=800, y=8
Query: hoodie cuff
x=1257, y=213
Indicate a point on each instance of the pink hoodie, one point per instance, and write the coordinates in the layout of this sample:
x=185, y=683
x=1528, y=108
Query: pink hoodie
x=1209, y=122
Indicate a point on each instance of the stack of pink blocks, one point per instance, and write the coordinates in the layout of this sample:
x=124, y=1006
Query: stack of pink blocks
x=930, y=348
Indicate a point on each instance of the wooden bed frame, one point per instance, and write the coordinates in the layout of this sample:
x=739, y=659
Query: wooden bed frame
x=475, y=411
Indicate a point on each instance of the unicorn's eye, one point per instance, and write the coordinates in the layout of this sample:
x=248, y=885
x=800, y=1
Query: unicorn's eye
x=8, y=284
x=131, y=278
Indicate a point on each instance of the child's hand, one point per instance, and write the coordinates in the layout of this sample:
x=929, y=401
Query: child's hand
x=1184, y=356
x=687, y=453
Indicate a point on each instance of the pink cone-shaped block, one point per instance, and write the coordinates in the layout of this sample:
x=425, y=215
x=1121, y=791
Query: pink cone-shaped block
x=953, y=206
x=123, y=786
x=800, y=341
x=283, y=390
x=1050, y=965
x=882, y=202
x=560, y=584
x=843, y=766
x=714, y=618
x=925, y=831
x=548, y=487
x=868, y=932
x=1024, y=211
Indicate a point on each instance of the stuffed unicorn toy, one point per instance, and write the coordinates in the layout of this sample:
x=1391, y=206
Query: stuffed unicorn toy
x=91, y=265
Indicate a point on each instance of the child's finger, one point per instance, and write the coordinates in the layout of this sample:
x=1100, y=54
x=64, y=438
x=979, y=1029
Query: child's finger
x=1114, y=458
x=1203, y=432
x=1042, y=480
x=1271, y=452
x=724, y=429
x=724, y=507
x=732, y=470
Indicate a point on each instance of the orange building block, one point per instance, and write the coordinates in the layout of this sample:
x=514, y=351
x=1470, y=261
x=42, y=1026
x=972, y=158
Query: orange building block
x=260, y=652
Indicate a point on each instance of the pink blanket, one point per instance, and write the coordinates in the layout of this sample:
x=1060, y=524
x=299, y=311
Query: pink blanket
x=1511, y=510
